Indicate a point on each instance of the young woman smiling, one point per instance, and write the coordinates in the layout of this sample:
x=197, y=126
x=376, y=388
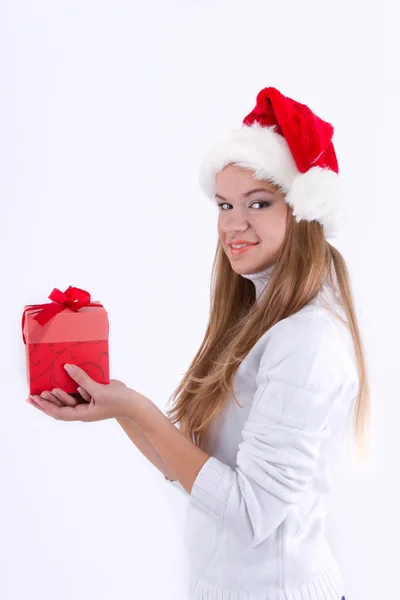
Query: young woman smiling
x=265, y=405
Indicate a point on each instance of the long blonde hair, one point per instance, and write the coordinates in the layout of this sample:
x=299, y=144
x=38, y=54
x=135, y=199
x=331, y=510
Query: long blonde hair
x=304, y=261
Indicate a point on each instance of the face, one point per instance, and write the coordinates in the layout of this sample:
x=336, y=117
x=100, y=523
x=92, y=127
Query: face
x=251, y=211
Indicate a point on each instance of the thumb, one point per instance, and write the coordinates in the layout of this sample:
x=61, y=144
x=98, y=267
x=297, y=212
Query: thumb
x=82, y=378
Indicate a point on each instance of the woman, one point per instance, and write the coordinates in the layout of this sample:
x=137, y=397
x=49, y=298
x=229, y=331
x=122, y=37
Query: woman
x=264, y=407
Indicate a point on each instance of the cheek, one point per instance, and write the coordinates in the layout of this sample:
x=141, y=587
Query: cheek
x=280, y=232
x=272, y=228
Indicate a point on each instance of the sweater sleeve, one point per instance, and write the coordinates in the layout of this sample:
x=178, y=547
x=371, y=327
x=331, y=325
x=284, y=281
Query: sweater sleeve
x=299, y=382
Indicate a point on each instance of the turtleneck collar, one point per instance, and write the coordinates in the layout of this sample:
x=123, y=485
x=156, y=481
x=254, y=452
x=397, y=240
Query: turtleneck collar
x=260, y=279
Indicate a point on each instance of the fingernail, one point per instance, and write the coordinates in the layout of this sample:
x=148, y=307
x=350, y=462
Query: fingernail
x=69, y=368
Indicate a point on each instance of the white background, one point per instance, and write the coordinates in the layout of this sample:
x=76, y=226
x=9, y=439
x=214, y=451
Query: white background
x=106, y=109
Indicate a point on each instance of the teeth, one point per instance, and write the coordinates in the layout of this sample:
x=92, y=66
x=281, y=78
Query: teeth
x=240, y=246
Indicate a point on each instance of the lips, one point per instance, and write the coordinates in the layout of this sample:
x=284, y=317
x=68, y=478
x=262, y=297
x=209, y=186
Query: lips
x=238, y=242
x=241, y=250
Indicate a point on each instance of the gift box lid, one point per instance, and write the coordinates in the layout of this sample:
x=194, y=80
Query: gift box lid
x=89, y=323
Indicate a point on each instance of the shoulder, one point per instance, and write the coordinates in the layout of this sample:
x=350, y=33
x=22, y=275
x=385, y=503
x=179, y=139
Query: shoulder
x=309, y=328
x=306, y=350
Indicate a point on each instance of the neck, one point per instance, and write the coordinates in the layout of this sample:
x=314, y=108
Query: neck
x=260, y=279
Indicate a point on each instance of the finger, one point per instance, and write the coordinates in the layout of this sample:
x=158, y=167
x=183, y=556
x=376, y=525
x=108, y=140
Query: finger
x=85, y=395
x=51, y=398
x=63, y=413
x=64, y=398
x=33, y=403
x=82, y=378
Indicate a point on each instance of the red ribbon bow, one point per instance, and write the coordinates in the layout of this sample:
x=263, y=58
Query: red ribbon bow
x=73, y=298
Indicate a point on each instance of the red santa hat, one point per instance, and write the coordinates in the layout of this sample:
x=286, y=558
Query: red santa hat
x=284, y=142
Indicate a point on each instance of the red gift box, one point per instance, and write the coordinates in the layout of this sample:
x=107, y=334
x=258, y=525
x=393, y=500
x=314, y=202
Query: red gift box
x=71, y=329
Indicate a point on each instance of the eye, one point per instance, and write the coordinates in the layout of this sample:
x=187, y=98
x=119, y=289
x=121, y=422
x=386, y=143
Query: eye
x=264, y=202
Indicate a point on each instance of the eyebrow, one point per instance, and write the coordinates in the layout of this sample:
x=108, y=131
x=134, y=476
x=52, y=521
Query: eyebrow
x=245, y=195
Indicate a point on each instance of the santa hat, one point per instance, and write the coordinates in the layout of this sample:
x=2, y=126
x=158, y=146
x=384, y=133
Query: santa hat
x=284, y=142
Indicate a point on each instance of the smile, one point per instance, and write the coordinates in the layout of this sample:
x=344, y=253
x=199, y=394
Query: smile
x=240, y=249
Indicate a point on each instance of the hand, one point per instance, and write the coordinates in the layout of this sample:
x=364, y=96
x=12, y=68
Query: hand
x=101, y=401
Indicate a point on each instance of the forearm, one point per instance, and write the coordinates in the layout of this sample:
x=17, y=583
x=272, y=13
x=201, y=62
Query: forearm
x=182, y=456
x=141, y=441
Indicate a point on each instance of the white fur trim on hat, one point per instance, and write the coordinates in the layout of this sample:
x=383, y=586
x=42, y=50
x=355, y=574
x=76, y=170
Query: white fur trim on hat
x=313, y=195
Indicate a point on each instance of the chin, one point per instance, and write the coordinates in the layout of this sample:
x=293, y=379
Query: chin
x=244, y=269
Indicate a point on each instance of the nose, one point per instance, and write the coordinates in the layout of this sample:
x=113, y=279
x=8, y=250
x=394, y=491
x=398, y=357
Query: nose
x=234, y=222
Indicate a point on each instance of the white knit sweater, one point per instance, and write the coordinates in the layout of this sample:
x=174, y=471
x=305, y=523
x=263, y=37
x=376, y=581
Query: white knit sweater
x=256, y=514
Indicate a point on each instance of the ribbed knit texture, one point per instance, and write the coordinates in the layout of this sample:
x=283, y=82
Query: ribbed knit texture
x=256, y=512
x=327, y=586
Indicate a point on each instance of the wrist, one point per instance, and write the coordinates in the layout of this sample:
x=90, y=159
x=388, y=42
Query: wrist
x=147, y=417
x=138, y=406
